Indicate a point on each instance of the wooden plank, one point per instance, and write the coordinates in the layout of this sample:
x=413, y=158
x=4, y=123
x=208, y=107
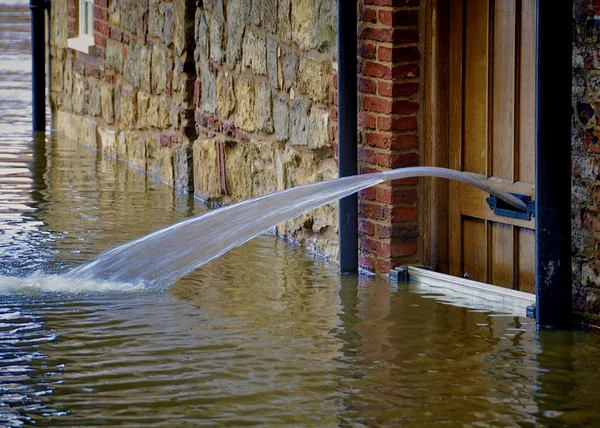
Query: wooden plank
x=455, y=131
x=455, y=125
x=436, y=132
x=502, y=257
x=476, y=64
x=503, y=90
x=474, y=254
x=526, y=119
x=526, y=260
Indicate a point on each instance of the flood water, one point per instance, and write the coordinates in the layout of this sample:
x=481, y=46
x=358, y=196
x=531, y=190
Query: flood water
x=268, y=334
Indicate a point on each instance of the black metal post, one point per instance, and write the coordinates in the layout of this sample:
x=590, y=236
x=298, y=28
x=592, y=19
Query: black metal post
x=347, y=128
x=38, y=70
x=553, y=164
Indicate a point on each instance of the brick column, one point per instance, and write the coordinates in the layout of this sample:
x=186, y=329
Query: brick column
x=389, y=95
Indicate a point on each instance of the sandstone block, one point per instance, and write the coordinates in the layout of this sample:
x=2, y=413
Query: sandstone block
x=57, y=75
x=215, y=7
x=206, y=176
x=107, y=140
x=145, y=63
x=318, y=134
x=273, y=63
x=269, y=16
x=325, y=35
x=131, y=67
x=132, y=148
x=299, y=123
x=225, y=94
x=255, y=52
x=303, y=23
x=159, y=160
x=59, y=16
x=118, y=91
x=315, y=77
x=114, y=58
x=155, y=19
x=201, y=31
x=237, y=17
x=244, y=94
x=114, y=12
x=290, y=69
x=209, y=86
x=162, y=63
x=183, y=168
x=128, y=106
x=284, y=23
x=166, y=10
x=134, y=16
x=263, y=109
x=94, y=105
x=175, y=114
x=256, y=12
x=217, y=31
x=78, y=97
x=281, y=117
x=68, y=83
x=143, y=105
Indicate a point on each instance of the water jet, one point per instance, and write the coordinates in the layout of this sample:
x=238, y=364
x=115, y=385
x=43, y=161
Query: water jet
x=164, y=256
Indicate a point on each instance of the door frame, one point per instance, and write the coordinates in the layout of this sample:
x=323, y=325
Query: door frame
x=436, y=133
x=553, y=167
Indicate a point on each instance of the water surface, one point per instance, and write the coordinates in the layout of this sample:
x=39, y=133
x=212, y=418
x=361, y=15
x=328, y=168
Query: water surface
x=268, y=334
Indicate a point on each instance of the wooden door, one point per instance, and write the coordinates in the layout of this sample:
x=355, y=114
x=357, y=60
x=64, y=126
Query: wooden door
x=491, y=133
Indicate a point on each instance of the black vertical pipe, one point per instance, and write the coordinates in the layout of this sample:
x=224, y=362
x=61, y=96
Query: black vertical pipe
x=38, y=69
x=347, y=128
x=553, y=164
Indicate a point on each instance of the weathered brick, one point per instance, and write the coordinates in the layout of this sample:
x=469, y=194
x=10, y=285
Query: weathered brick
x=398, y=53
x=391, y=35
x=368, y=14
x=399, y=17
x=389, y=123
x=390, y=195
x=397, y=89
x=376, y=69
x=391, y=141
x=379, y=105
x=367, y=50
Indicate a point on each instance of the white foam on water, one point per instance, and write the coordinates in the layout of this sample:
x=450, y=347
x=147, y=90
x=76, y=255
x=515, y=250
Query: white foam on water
x=45, y=283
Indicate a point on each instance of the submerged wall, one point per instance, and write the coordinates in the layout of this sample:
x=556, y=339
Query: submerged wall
x=233, y=99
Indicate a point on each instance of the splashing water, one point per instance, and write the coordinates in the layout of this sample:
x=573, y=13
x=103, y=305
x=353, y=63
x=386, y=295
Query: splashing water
x=162, y=257
x=40, y=283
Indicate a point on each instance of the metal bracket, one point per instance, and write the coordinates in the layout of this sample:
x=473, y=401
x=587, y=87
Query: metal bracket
x=504, y=209
x=399, y=274
x=530, y=311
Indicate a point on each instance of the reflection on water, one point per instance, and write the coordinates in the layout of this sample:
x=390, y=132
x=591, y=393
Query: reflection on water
x=268, y=334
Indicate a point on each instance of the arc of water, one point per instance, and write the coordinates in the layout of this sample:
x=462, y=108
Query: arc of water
x=166, y=255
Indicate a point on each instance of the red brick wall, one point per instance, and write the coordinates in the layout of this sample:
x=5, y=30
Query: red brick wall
x=389, y=101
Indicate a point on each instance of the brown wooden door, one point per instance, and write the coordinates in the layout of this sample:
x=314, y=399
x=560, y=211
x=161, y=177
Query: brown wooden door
x=491, y=133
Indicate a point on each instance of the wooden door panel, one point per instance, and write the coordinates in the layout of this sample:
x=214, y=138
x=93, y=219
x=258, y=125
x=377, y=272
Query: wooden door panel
x=474, y=237
x=501, y=248
x=475, y=104
x=492, y=134
x=526, y=260
x=526, y=105
x=503, y=90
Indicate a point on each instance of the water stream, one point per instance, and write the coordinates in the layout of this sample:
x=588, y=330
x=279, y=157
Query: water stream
x=162, y=257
